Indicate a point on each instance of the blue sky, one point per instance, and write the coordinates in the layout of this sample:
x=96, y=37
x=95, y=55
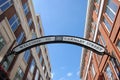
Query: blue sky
x=63, y=17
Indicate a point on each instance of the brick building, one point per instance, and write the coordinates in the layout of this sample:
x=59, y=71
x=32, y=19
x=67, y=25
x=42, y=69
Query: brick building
x=18, y=23
x=103, y=27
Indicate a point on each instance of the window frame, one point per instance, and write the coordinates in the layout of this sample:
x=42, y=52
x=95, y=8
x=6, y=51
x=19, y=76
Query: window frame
x=3, y=43
x=26, y=56
x=20, y=38
x=107, y=25
x=111, y=6
x=14, y=20
x=25, y=8
x=102, y=40
x=18, y=73
x=30, y=21
x=32, y=66
x=110, y=71
x=93, y=70
x=5, y=3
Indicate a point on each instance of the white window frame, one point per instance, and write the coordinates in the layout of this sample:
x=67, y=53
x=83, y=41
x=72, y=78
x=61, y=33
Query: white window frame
x=93, y=70
x=5, y=4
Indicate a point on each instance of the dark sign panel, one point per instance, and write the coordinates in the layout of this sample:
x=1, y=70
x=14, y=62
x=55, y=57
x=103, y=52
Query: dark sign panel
x=60, y=39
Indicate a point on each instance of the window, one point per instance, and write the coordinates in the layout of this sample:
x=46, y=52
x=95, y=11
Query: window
x=7, y=63
x=107, y=25
x=32, y=66
x=110, y=14
x=93, y=70
x=25, y=8
x=93, y=24
x=97, y=1
x=37, y=75
x=116, y=65
x=5, y=4
x=96, y=10
x=29, y=22
x=41, y=59
x=20, y=37
x=37, y=49
x=14, y=22
x=109, y=73
x=103, y=41
x=93, y=31
x=2, y=42
x=43, y=66
x=19, y=74
x=118, y=44
x=34, y=35
x=111, y=9
x=26, y=55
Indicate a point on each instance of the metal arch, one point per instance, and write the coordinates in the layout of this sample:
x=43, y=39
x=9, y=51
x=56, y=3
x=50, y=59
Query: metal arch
x=59, y=39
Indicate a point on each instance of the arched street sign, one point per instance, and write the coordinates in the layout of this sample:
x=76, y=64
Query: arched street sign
x=59, y=39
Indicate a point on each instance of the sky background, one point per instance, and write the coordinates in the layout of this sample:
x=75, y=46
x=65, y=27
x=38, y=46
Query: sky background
x=63, y=17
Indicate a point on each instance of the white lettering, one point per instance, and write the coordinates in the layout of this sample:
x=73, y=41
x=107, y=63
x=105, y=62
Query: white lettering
x=80, y=41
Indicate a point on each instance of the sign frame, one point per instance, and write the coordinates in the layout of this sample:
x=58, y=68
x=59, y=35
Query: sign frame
x=93, y=46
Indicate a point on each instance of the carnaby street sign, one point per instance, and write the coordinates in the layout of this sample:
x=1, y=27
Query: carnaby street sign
x=60, y=39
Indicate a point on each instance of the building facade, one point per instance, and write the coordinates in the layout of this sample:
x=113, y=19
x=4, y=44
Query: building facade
x=18, y=23
x=103, y=27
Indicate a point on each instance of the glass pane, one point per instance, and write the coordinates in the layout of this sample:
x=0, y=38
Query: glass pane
x=32, y=66
x=37, y=75
x=34, y=35
x=5, y=6
x=7, y=63
x=19, y=74
x=118, y=44
x=14, y=26
x=14, y=22
x=26, y=11
x=112, y=5
x=103, y=40
x=109, y=73
x=97, y=1
x=2, y=42
x=29, y=22
x=41, y=59
x=20, y=38
x=25, y=7
x=12, y=19
x=2, y=1
x=110, y=14
x=27, y=55
x=37, y=49
x=107, y=25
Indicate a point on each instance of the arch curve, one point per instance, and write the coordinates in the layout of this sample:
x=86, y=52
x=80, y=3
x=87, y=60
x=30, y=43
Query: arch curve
x=59, y=39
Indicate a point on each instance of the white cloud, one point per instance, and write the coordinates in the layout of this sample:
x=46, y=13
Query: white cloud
x=52, y=75
x=69, y=74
